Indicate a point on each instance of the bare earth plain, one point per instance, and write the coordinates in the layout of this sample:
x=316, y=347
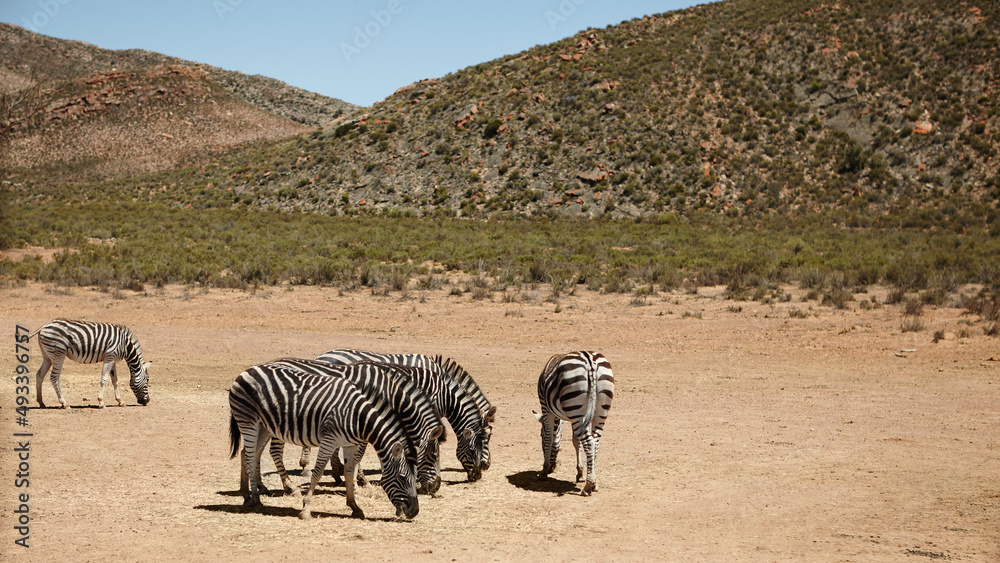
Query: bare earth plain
x=738, y=432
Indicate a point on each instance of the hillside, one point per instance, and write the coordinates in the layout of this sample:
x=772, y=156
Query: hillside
x=738, y=107
x=98, y=113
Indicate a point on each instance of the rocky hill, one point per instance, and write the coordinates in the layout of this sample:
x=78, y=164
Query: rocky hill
x=736, y=107
x=95, y=112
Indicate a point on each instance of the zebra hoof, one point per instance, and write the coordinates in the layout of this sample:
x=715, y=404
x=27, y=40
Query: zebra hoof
x=357, y=513
x=250, y=504
x=589, y=488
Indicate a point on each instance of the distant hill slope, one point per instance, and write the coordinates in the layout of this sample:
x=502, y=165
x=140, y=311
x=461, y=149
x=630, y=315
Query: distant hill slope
x=102, y=112
x=737, y=107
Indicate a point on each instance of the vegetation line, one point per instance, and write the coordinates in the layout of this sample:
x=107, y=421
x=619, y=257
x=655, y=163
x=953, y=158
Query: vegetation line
x=129, y=245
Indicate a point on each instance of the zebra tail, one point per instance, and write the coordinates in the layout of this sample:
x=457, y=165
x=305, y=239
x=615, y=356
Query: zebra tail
x=36, y=331
x=234, y=437
x=588, y=418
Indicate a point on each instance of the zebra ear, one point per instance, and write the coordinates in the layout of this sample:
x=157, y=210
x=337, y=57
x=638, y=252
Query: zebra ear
x=437, y=433
x=538, y=417
x=397, y=450
x=467, y=434
x=146, y=365
x=491, y=415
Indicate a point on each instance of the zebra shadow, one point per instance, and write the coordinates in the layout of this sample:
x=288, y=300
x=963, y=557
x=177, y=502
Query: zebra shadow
x=74, y=407
x=531, y=481
x=282, y=511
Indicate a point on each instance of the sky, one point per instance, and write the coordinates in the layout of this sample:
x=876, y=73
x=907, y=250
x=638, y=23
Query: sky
x=359, y=51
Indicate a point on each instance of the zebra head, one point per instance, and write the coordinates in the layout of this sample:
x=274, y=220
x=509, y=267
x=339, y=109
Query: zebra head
x=487, y=433
x=399, y=481
x=429, y=462
x=470, y=452
x=140, y=384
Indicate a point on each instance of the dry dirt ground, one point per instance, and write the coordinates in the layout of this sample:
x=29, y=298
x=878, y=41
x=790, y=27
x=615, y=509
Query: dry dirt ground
x=738, y=432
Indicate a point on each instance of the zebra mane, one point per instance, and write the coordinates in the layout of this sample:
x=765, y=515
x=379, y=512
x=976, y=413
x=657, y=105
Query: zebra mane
x=451, y=368
x=133, y=352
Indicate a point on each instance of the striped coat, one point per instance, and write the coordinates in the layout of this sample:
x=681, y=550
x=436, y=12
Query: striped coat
x=90, y=343
x=578, y=388
x=324, y=412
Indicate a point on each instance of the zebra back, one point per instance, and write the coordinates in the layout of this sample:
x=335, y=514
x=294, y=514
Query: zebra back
x=571, y=385
x=450, y=366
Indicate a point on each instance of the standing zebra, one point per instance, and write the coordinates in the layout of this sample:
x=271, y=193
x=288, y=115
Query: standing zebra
x=313, y=410
x=577, y=387
x=414, y=408
x=89, y=343
x=445, y=366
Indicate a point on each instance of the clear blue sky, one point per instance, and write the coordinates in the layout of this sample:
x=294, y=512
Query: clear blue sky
x=359, y=51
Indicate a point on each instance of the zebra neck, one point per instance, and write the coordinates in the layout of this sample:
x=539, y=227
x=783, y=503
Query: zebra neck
x=381, y=431
x=133, y=357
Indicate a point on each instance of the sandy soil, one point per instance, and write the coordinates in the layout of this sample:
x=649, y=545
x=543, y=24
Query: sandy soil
x=739, y=432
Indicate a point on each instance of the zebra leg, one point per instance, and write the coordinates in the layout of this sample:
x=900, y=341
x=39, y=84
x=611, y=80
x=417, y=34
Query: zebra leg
x=40, y=377
x=580, y=458
x=254, y=438
x=586, y=439
x=326, y=449
x=551, y=435
x=114, y=382
x=109, y=366
x=350, y=467
x=359, y=475
x=57, y=365
x=337, y=468
x=595, y=433
x=277, y=450
x=304, y=457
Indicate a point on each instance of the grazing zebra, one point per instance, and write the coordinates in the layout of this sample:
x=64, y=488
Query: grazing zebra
x=577, y=387
x=440, y=364
x=377, y=381
x=89, y=343
x=313, y=410
x=458, y=408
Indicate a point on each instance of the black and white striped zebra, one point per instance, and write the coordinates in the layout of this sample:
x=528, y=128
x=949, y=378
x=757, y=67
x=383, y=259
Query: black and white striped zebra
x=420, y=420
x=318, y=411
x=577, y=387
x=458, y=408
x=439, y=364
x=89, y=343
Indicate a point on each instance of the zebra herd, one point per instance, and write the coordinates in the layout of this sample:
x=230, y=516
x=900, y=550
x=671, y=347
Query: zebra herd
x=344, y=400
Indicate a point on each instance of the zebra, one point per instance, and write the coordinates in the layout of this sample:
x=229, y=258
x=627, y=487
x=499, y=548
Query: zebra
x=314, y=410
x=89, y=343
x=438, y=363
x=455, y=405
x=577, y=387
x=420, y=420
